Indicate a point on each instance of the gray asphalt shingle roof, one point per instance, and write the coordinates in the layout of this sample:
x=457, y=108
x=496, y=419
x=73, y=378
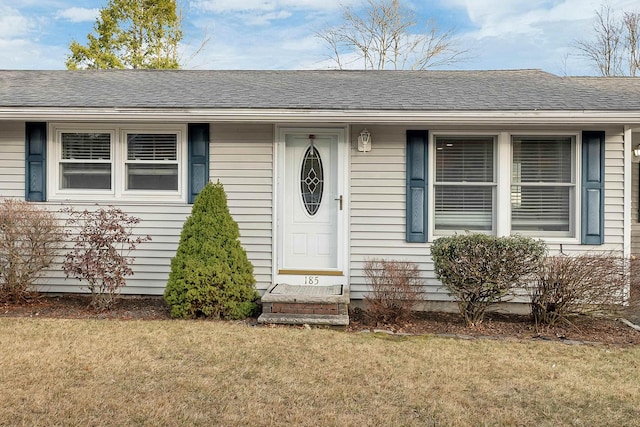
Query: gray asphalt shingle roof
x=329, y=90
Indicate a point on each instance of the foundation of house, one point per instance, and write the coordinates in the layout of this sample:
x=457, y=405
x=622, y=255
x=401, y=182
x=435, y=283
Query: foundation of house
x=305, y=304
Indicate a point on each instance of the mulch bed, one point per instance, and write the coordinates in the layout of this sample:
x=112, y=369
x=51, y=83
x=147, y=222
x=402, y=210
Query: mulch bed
x=77, y=307
x=586, y=330
x=496, y=326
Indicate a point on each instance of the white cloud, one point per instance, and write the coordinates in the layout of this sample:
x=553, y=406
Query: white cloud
x=78, y=14
x=529, y=33
x=265, y=18
x=502, y=18
x=12, y=23
x=220, y=6
x=22, y=54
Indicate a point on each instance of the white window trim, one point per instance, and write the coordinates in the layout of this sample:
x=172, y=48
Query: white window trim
x=118, y=170
x=503, y=155
x=122, y=160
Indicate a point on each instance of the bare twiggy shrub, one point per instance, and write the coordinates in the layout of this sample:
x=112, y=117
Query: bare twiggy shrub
x=396, y=288
x=101, y=254
x=584, y=284
x=480, y=270
x=29, y=240
x=634, y=271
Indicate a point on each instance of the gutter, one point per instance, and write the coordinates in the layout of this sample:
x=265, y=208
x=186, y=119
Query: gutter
x=282, y=116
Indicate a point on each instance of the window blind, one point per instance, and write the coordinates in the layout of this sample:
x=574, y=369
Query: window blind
x=542, y=160
x=464, y=185
x=86, y=161
x=86, y=146
x=153, y=147
x=464, y=160
x=152, y=161
x=542, y=184
x=463, y=208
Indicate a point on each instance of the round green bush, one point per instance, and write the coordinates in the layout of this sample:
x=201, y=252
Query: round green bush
x=480, y=270
x=211, y=275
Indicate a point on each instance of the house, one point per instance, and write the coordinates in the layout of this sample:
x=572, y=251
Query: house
x=325, y=169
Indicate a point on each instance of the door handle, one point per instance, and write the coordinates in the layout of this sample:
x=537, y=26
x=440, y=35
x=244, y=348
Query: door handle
x=340, y=199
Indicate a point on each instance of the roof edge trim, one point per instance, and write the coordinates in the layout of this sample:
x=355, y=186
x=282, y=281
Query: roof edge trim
x=318, y=116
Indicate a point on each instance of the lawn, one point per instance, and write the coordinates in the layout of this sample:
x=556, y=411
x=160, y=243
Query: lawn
x=184, y=373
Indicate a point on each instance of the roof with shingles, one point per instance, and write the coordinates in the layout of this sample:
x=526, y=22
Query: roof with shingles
x=508, y=90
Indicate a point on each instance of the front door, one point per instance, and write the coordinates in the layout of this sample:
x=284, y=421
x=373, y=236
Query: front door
x=312, y=205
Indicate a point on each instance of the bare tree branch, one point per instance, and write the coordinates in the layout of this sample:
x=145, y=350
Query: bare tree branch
x=614, y=48
x=383, y=34
x=604, y=51
x=631, y=22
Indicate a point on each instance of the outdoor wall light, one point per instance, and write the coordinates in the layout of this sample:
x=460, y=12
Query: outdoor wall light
x=636, y=151
x=364, y=141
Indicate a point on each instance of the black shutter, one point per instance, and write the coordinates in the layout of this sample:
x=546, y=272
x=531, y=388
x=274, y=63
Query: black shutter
x=417, y=154
x=198, y=158
x=35, y=165
x=592, y=188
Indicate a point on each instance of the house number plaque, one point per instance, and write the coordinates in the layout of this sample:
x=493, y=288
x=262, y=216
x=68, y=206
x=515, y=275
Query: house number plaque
x=311, y=280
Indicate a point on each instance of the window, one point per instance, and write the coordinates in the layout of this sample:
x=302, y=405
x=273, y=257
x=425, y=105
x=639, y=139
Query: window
x=152, y=161
x=506, y=183
x=117, y=162
x=86, y=161
x=464, y=183
x=312, y=180
x=542, y=184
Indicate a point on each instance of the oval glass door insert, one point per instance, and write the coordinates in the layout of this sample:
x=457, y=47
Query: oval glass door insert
x=311, y=180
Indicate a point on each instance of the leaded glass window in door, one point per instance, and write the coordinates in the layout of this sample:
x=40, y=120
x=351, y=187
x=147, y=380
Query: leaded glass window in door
x=311, y=180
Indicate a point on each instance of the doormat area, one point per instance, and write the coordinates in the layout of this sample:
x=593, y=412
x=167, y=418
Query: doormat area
x=284, y=289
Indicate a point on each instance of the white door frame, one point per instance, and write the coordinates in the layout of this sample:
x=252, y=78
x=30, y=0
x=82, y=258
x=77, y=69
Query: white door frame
x=340, y=274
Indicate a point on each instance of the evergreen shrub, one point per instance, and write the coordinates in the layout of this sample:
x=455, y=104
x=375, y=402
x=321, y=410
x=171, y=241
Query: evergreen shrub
x=211, y=275
x=480, y=270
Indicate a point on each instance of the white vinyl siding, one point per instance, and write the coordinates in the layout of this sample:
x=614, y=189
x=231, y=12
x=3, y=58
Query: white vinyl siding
x=613, y=201
x=378, y=188
x=635, y=197
x=242, y=159
x=378, y=210
x=12, y=154
x=152, y=259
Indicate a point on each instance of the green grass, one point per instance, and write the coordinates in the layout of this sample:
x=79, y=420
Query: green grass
x=183, y=373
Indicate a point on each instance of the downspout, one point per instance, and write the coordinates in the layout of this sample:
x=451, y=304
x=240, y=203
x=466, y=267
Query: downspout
x=628, y=154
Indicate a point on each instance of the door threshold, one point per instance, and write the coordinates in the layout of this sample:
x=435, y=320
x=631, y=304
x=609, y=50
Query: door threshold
x=311, y=272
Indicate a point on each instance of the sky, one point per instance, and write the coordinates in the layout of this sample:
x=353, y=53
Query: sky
x=280, y=34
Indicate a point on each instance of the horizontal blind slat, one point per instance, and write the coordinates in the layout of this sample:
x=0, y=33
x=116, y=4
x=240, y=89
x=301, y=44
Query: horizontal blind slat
x=463, y=208
x=464, y=165
x=153, y=147
x=464, y=159
x=540, y=208
x=542, y=160
x=86, y=146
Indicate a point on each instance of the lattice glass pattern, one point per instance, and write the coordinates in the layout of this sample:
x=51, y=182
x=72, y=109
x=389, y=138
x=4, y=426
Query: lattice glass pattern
x=312, y=180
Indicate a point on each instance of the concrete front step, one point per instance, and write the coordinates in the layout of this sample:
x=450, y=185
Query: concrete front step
x=304, y=319
x=305, y=304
